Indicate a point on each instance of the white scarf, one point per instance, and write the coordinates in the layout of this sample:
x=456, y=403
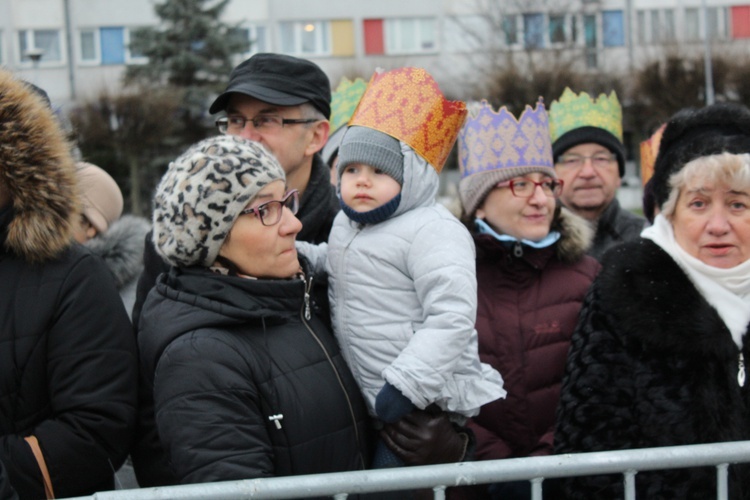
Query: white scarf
x=727, y=290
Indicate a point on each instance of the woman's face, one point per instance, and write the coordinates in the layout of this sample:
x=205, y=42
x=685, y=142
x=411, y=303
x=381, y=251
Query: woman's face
x=264, y=251
x=712, y=223
x=521, y=217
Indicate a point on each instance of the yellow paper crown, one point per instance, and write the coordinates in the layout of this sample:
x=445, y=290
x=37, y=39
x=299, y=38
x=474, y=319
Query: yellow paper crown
x=344, y=101
x=573, y=111
x=649, y=151
x=407, y=104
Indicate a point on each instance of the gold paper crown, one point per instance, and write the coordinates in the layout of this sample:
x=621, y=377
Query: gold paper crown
x=344, y=101
x=407, y=104
x=649, y=151
x=573, y=111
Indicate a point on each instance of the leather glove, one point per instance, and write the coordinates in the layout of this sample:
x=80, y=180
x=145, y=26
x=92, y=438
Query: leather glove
x=391, y=405
x=425, y=438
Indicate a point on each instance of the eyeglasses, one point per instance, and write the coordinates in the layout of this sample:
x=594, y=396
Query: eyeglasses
x=525, y=188
x=269, y=212
x=261, y=123
x=599, y=160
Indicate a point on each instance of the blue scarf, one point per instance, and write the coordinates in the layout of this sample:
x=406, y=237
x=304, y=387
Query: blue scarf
x=484, y=228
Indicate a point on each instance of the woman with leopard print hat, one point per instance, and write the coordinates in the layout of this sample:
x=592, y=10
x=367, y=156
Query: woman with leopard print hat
x=247, y=382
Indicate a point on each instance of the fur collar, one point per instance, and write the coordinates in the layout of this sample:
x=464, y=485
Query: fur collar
x=576, y=235
x=38, y=171
x=652, y=300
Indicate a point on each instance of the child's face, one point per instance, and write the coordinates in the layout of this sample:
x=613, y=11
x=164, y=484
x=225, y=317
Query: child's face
x=364, y=188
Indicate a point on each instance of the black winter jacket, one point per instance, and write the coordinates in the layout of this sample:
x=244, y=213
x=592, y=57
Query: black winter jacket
x=68, y=362
x=651, y=364
x=246, y=384
x=616, y=225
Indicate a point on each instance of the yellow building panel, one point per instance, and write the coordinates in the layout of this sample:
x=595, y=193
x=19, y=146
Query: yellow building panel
x=342, y=33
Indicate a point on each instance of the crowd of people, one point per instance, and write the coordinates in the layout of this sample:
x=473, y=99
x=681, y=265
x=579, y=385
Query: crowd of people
x=301, y=303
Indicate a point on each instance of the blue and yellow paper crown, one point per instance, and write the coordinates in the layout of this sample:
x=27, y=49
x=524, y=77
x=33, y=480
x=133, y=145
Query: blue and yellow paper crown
x=491, y=140
x=573, y=111
x=344, y=101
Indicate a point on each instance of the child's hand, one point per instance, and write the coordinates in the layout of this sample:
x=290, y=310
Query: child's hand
x=422, y=438
x=391, y=405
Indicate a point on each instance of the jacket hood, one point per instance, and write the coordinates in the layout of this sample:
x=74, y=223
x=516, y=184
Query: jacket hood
x=421, y=182
x=38, y=170
x=576, y=235
x=121, y=248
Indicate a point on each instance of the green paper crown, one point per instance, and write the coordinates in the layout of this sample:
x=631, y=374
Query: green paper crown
x=573, y=111
x=344, y=101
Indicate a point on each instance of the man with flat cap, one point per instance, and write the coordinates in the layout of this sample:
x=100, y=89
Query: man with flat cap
x=284, y=103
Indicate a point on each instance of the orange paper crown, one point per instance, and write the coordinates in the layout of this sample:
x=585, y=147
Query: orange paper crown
x=407, y=104
x=649, y=151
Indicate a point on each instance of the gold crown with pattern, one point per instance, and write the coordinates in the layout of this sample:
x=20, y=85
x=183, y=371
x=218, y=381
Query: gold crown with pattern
x=573, y=111
x=407, y=104
x=649, y=151
x=344, y=101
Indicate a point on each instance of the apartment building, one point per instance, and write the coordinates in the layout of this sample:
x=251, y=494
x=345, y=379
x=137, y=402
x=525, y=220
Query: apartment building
x=76, y=48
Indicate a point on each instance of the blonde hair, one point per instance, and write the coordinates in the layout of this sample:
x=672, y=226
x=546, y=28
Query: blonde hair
x=725, y=168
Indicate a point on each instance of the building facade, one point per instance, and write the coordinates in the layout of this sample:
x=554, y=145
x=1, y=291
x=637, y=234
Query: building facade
x=74, y=49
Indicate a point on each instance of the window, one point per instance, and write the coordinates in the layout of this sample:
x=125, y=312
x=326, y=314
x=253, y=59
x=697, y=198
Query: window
x=557, y=28
x=410, y=35
x=668, y=31
x=590, y=41
x=655, y=32
x=692, y=25
x=717, y=26
x=107, y=46
x=510, y=28
x=305, y=38
x=533, y=31
x=641, y=24
x=255, y=36
x=46, y=41
x=89, y=40
x=613, y=31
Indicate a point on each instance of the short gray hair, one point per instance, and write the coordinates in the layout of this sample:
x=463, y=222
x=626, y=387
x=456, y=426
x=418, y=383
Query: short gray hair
x=725, y=168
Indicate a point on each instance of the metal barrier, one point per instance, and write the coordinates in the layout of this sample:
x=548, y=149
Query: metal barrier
x=438, y=477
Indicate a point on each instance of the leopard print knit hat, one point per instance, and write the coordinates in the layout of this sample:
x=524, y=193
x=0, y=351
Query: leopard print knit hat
x=202, y=194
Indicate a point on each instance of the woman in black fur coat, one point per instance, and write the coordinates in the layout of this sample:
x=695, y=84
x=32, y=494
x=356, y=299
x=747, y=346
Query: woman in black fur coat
x=658, y=356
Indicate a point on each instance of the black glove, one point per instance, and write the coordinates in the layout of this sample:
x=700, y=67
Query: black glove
x=426, y=438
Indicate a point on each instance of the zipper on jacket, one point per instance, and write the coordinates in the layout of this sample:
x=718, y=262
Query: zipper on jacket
x=741, y=371
x=336, y=372
x=517, y=249
x=308, y=287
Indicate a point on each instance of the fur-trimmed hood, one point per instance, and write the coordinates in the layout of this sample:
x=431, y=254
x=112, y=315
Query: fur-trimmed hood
x=576, y=235
x=38, y=171
x=121, y=248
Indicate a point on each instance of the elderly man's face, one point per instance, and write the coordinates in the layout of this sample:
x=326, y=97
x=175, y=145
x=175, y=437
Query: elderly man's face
x=712, y=224
x=292, y=145
x=591, y=183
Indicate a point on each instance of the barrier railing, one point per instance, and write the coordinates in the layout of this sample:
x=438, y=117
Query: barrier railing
x=438, y=477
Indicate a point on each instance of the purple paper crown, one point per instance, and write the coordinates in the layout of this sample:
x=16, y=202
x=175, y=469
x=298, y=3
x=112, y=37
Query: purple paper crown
x=490, y=140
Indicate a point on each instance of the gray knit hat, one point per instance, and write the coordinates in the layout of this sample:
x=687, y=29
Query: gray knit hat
x=368, y=146
x=202, y=194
